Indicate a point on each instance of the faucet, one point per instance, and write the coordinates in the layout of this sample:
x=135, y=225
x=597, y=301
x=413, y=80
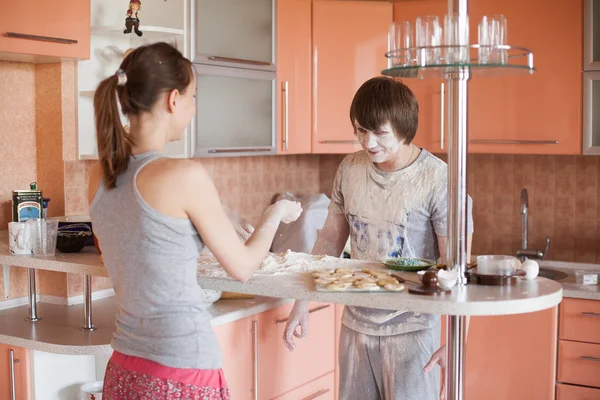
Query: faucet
x=524, y=252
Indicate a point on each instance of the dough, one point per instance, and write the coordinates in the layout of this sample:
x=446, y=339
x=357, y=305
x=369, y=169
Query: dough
x=337, y=286
x=325, y=281
x=394, y=287
x=385, y=281
x=366, y=285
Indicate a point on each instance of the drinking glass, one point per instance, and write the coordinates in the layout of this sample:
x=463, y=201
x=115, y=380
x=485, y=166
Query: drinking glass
x=428, y=33
x=492, y=32
x=401, y=39
x=456, y=33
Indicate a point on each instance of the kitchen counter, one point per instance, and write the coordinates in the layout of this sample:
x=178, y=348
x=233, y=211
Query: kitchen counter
x=572, y=289
x=58, y=330
x=86, y=262
x=296, y=282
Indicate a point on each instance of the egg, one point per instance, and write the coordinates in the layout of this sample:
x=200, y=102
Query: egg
x=531, y=269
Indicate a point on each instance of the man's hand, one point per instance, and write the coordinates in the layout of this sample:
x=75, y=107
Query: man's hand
x=440, y=358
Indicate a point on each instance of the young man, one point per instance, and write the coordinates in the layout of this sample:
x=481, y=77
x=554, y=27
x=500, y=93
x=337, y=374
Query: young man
x=391, y=198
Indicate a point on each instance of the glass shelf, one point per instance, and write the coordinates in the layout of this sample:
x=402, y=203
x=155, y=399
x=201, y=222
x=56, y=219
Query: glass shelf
x=519, y=61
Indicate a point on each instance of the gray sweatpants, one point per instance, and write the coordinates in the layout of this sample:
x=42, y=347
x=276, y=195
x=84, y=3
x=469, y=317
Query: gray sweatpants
x=388, y=367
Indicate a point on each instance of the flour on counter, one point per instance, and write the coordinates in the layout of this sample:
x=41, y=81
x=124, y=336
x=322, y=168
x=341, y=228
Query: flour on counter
x=288, y=262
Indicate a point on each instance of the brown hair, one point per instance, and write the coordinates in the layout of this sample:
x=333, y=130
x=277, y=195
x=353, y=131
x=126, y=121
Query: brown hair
x=380, y=100
x=145, y=73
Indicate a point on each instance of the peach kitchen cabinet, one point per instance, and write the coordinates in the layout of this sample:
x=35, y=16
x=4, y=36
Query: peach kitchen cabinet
x=17, y=381
x=281, y=372
x=236, y=341
x=533, y=112
x=350, y=39
x=294, y=21
x=579, y=350
x=430, y=92
x=512, y=356
x=45, y=31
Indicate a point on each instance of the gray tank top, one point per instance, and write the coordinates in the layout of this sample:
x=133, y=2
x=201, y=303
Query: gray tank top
x=152, y=262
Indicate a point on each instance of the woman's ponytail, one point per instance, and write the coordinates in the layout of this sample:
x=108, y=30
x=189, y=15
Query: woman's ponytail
x=114, y=145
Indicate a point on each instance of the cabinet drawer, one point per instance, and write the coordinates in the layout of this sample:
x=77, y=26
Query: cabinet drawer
x=568, y=392
x=580, y=320
x=579, y=363
x=319, y=389
x=280, y=370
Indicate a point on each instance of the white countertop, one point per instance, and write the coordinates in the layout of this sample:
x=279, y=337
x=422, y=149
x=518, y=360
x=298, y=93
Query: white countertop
x=58, y=330
x=524, y=297
x=86, y=262
x=572, y=289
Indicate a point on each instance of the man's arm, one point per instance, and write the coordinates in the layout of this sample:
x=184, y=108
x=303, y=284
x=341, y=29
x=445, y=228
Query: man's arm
x=331, y=242
x=333, y=236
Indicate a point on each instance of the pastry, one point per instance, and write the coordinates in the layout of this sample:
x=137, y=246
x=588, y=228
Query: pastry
x=394, y=287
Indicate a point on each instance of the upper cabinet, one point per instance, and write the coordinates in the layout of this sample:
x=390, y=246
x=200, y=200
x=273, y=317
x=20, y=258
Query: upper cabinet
x=430, y=92
x=235, y=112
x=294, y=75
x=537, y=114
x=591, y=35
x=350, y=39
x=235, y=33
x=234, y=57
x=591, y=77
x=44, y=31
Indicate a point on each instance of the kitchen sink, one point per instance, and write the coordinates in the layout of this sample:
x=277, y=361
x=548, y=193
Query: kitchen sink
x=552, y=273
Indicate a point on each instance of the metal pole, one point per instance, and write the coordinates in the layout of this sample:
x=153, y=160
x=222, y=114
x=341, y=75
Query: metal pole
x=456, y=244
x=456, y=330
x=32, y=296
x=87, y=304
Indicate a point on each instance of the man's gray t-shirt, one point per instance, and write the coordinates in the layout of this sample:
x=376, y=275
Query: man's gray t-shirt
x=392, y=214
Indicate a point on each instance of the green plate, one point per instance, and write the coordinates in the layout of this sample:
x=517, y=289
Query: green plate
x=408, y=264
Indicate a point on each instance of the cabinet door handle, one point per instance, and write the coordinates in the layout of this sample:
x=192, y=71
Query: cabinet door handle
x=442, y=115
x=13, y=361
x=588, y=358
x=255, y=351
x=16, y=35
x=239, y=60
x=339, y=142
x=319, y=308
x=286, y=116
x=317, y=394
x=253, y=150
x=590, y=314
x=501, y=141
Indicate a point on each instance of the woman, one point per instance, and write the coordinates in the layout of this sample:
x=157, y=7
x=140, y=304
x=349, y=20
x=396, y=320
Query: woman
x=152, y=216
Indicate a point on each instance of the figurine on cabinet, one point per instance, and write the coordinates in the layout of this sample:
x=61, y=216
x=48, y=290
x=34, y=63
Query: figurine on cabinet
x=132, y=19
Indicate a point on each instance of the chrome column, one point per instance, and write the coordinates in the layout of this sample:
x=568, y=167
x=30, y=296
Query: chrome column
x=88, y=325
x=456, y=245
x=32, y=296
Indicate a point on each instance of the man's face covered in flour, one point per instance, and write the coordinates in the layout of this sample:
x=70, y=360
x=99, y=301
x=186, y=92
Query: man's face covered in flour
x=382, y=145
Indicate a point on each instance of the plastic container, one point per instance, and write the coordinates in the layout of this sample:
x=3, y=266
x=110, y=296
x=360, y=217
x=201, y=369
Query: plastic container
x=497, y=265
x=587, y=277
